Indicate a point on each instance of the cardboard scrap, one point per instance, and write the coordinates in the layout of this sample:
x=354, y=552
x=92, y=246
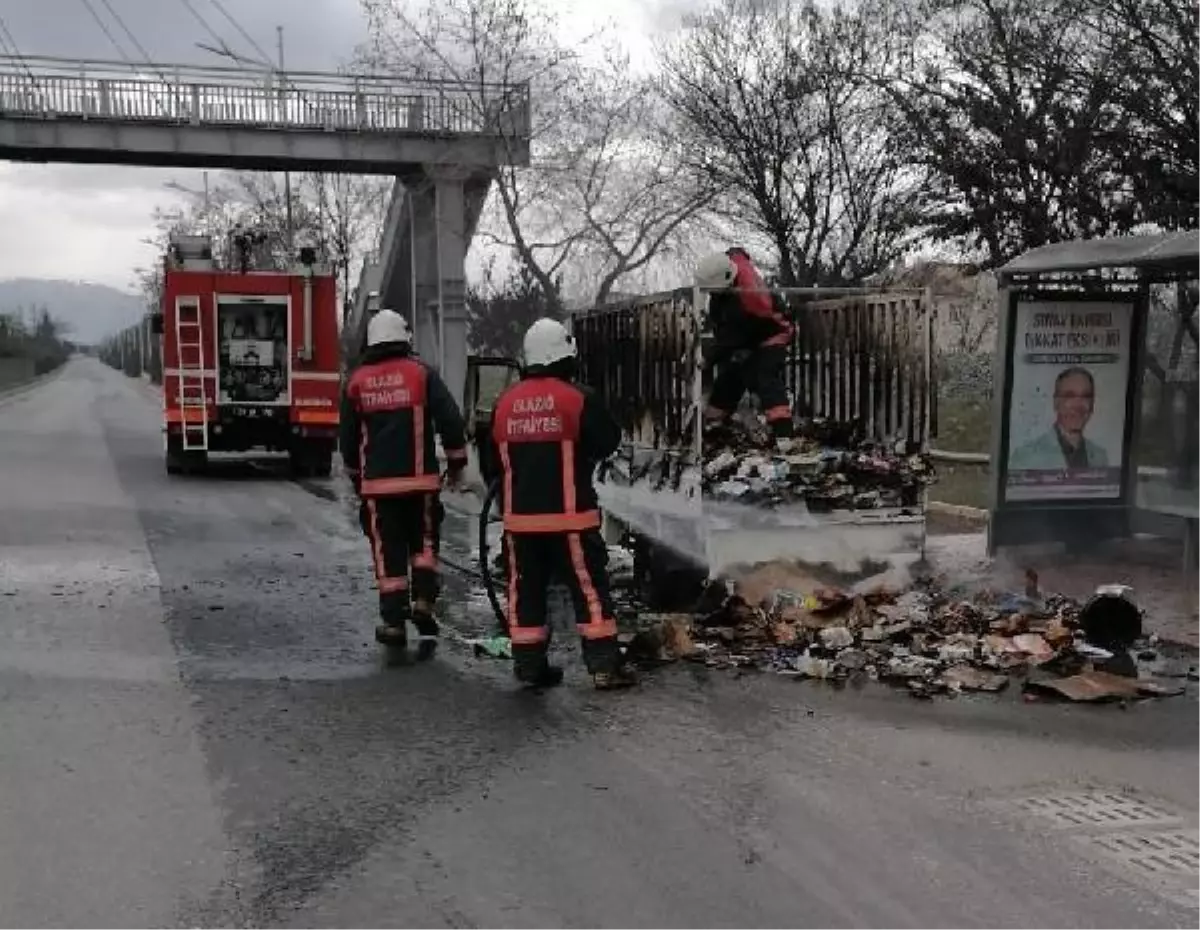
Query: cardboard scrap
x=969, y=678
x=1102, y=686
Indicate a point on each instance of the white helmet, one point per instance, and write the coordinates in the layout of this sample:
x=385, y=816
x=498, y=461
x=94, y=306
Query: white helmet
x=715, y=271
x=387, y=326
x=546, y=342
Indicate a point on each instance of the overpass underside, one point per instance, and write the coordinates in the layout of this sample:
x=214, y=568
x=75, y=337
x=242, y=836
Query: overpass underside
x=443, y=141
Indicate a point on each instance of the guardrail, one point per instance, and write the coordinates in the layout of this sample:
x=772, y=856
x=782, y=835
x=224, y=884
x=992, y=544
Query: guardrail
x=51, y=88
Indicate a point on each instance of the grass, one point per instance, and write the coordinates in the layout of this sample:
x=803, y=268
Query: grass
x=964, y=425
x=966, y=485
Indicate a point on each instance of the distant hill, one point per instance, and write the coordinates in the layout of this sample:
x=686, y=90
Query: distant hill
x=92, y=311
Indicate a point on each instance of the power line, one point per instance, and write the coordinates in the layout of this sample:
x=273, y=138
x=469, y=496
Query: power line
x=239, y=60
x=108, y=32
x=266, y=59
x=132, y=38
x=121, y=49
x=16, y=49
x=7, y=49
x=204, y=23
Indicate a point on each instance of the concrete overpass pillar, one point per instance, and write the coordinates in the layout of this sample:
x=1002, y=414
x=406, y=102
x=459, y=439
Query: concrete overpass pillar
x=440, y=228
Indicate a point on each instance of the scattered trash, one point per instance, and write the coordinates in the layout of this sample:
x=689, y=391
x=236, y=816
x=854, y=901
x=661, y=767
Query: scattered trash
x=494, y=647
x=1101, y=686
x=928, y=640
x=974, y=679
x=829, y=467
x=1110, y=619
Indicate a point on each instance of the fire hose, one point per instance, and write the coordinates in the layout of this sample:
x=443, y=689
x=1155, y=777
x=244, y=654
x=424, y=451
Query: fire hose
x=484, y=571
x=485, y=566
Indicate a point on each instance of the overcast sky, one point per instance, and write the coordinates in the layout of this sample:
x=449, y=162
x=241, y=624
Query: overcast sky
x=89, y=222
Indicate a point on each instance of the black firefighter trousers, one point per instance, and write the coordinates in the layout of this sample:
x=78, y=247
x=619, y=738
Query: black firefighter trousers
x=762, y=374
x=405, y=535
x=578, y=560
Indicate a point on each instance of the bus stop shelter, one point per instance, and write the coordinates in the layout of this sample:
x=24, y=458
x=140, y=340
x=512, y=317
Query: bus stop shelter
x=1095, y=431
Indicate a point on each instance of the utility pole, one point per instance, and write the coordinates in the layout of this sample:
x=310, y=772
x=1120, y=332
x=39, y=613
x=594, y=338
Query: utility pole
x=287, y=176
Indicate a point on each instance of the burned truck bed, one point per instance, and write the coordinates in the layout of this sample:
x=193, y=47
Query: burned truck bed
x=849, y=492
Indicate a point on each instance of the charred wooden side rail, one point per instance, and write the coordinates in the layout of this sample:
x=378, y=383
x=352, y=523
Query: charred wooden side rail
x=865, y=357
x=857, y=355
x=637, y=356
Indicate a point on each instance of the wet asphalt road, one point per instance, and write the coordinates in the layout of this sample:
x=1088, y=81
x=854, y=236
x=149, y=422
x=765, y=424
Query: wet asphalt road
x=195, y=729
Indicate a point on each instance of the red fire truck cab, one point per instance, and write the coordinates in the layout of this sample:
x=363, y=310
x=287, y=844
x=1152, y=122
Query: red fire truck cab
x=250, y=357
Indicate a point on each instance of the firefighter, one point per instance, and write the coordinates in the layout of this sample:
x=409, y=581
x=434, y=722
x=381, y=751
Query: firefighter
x=392, y=405
x=751, y=334
x=549, y=434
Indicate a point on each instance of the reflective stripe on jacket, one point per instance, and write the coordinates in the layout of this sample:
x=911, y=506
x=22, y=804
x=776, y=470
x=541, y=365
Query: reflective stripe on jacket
x=392, y=405
x=549, y=435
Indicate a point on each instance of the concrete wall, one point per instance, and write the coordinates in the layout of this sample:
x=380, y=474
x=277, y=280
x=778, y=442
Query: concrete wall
x=15, y=371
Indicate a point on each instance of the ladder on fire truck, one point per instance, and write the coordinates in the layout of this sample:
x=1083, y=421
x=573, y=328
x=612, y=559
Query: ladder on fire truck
x=193, y=397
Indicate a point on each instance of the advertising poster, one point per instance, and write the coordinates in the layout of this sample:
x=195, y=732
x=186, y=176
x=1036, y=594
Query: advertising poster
x=1066, y=426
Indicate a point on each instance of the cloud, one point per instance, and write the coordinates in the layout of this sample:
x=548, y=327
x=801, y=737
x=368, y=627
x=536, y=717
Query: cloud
x=90, y=222
x=61, y=226
x=318, y=33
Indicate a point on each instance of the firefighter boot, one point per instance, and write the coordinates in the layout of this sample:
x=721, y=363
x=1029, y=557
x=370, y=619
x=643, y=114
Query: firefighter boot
x=427, y=632
x=537, y=674
x=392, y=634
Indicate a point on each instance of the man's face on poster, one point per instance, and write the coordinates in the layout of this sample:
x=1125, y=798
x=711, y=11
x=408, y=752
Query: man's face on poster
x=1074, y=399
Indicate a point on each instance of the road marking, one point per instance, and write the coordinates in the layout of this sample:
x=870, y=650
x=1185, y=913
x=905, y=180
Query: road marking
x=1146, y=842
x=1095, y=809
x=1160, y=853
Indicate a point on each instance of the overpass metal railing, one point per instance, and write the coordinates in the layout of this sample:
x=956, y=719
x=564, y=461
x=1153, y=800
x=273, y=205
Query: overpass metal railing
x=51, y=88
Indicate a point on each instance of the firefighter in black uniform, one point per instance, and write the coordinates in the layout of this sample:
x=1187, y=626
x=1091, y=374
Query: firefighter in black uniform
x=391, y=407
x=548, y=436
x=751, y=333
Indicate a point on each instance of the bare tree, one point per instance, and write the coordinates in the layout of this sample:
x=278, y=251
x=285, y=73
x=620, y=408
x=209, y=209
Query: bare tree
x=348, y=212
x=1013, y=107
x=603, y=188
x=970, y=316
x=339, y=214
x=1156, y=48
x=768, y=99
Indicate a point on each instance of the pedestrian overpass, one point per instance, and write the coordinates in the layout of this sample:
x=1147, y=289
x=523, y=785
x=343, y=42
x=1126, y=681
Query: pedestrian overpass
x=443, y=141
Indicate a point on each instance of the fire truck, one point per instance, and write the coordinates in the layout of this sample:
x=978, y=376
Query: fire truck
x=250, y=355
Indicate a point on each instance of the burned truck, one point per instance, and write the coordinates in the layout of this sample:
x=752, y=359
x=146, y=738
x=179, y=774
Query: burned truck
x=848, y=495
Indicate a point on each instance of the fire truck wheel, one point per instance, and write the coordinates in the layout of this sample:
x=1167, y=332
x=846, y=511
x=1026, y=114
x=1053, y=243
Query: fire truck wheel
x=183, y=462
x=314, y=460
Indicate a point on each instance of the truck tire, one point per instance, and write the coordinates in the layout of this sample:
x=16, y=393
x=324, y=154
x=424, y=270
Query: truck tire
x=322, y=462
x=665, y=581
x=311, y=460
x=298, y=463
x=183, y=462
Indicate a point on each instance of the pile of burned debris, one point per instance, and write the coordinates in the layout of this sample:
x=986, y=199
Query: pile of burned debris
x=926, y=639
x=828, y=466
